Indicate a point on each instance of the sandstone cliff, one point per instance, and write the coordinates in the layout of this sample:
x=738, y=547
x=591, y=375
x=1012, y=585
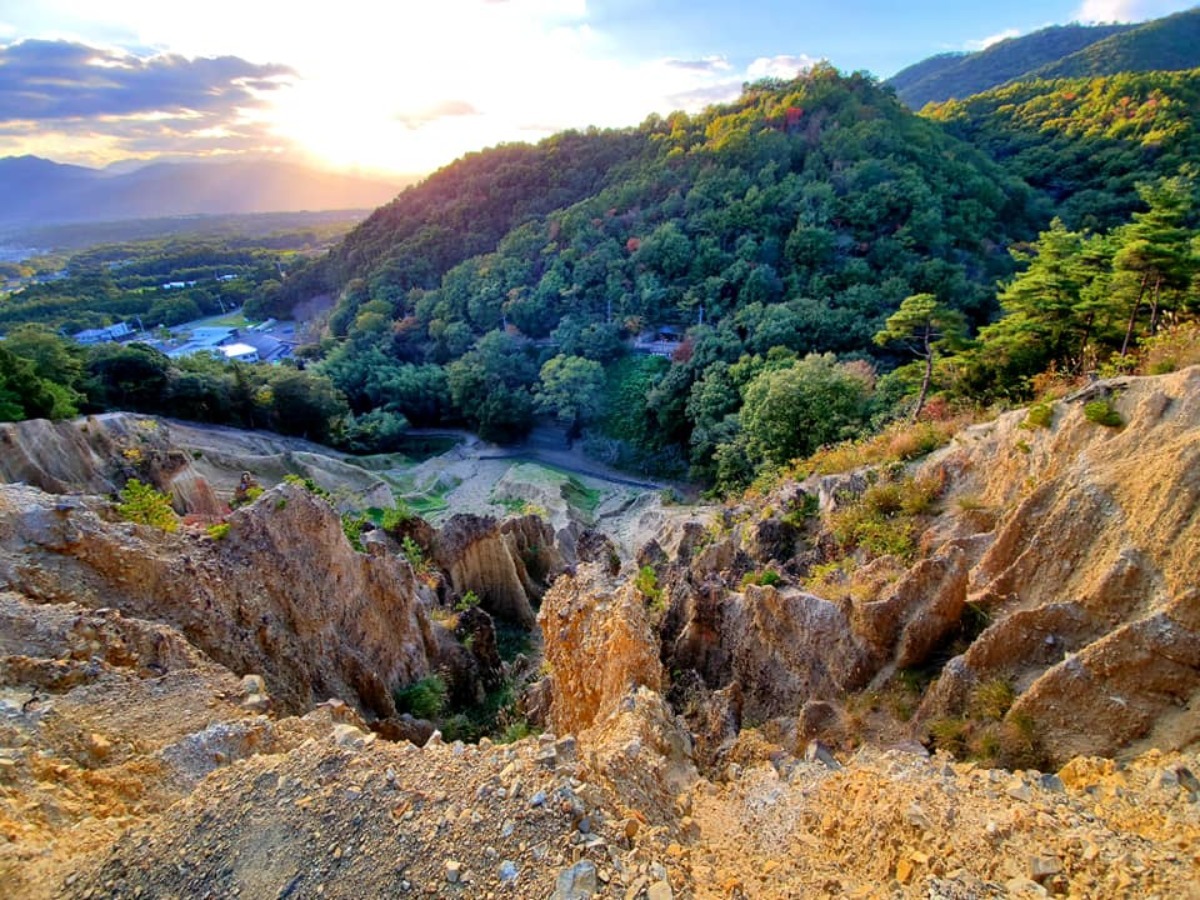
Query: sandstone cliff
x=141, y=753
x=198, y=466
x=1058, y=560
x=282, y=594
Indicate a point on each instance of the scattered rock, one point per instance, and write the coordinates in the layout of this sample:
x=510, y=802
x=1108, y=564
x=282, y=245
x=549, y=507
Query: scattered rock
x=576, y=883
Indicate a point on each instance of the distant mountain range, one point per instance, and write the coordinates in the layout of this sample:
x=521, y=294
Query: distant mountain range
x=1170, y=43
x=38, y=191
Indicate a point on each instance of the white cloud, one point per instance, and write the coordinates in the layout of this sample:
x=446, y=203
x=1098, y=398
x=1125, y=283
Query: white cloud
x=984, y=43
x=707, y=64
x=779, y=66
x=405, y=86
x=1128, y=10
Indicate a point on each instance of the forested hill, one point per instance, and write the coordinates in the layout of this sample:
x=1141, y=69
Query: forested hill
x=1167, y=44
x=950, y=75
x=465, y=208
x=811, y=188
x=817, y=259
x=793, y=220
x=1086, y=143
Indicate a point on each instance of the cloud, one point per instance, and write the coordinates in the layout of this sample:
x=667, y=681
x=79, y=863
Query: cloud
x=984, y=43
x=706, y=65
x=1128, y=10
x=43, y=80
x=779, y=66
x=446, y=109
x=125, y=103
x=696, y=99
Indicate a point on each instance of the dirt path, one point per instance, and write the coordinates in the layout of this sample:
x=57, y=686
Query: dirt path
x=548, y=445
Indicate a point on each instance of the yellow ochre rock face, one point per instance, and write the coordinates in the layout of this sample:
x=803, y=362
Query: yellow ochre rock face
x=187, y=715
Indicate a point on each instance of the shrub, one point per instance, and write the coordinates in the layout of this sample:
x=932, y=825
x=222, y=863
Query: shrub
x=647, y=585
x=469, y=600
x=142, y=504
x=218, y=531
x=991, y=700
x=949, y=734
x=307, y=484
x=1102, y=412
x=413, y=553
x=1040, y=415
x=766, y=578
x=353, y=527
x=398, y=515
x=805, y=507
x=424, y=699
x=516, y=731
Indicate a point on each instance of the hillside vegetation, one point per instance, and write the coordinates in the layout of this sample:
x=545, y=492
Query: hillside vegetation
x=795, y=220
x=949, y=75
x=819, y=260
x=1061, y=51
x=1087, y=143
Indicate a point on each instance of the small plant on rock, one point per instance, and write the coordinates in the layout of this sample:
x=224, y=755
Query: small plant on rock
x=469, y=600
x=647, y=585
x=423, y=699
x=1040, y=415
x=307, y=484
x=1102, y=412
x=142, y=504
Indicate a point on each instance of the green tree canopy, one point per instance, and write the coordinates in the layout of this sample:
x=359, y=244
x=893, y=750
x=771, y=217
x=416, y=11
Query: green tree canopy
x=790, y=412
x=572, y=388
x=922, y=324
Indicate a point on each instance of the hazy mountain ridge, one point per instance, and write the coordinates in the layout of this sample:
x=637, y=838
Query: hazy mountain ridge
x=1169, y=43
x=38, y=191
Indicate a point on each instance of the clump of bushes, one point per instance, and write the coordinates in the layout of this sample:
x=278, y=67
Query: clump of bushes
x=423, y=699
x=218, y=532
x=1102, y=412
x=1040, y=415
x=142, y=504
x=989, y=732
x=647, y=585
x=884, y=520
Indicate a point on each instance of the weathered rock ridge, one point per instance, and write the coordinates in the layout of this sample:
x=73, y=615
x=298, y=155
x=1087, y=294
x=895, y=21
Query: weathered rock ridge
x=1064, y=557
x=282, y=594
x=197, y=466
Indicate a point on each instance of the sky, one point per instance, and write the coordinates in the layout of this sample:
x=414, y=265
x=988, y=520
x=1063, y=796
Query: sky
x=401, y=87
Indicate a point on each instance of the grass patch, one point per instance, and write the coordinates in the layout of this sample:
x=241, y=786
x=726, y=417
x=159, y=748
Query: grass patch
x=424, y=699
x=1040, y=415
x=1102, y=412
x=885, y=520
x=584, y=499
x=898, y=442
x=990, y=733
